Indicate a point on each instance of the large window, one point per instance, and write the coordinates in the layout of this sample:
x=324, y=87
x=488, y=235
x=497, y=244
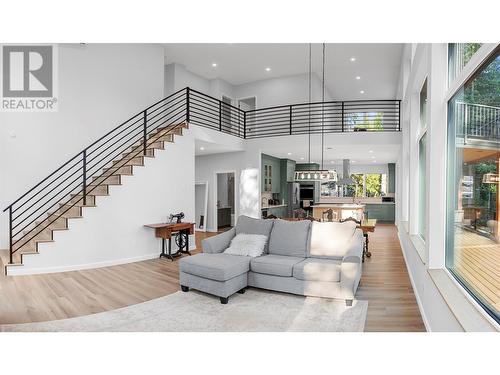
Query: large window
x=367, y=185
x=422, y=164
x=473, y=231
x=459, y=54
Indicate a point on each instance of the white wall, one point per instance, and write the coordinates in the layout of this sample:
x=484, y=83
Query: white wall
x=100, y=86
x=177, y=77
x=269, y=92
x=114, y=232
x=283, y=90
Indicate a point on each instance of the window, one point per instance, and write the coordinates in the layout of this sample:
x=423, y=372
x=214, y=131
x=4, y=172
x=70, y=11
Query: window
x=473, y=202
x=459, y=54
x=422, y=163
x=367, y=185
x=422, y=201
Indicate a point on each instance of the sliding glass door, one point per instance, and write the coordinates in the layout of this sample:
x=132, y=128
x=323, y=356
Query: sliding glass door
x=473, y=231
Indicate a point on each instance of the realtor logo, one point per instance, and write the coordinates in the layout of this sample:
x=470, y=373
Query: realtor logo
x=28, y=78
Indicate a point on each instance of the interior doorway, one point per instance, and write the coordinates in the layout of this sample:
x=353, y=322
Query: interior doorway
x=225, y=200
x=248, y=104
x=201, y=205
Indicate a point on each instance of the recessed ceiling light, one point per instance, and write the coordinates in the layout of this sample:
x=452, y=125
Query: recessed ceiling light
x=332, y=161
x=371, y=151
x=202, y=148
x=353, y=161
x=362, y=92
x=268, y=69
x=214, y=65
x=358, y=77
x=301, y=158
x=352, y=59
x=289, y=153
x=373, y=157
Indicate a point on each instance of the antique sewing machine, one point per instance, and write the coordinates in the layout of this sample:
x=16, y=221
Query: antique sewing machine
x=178, y=230
x=178, y=217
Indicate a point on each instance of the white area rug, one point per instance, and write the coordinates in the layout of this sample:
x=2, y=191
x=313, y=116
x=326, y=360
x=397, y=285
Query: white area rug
x=256, y=310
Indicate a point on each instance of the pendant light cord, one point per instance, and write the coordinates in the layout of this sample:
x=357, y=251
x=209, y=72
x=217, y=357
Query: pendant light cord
x=323, y=110
x=310, y=75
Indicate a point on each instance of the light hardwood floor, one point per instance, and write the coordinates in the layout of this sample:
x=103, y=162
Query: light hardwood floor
x=385, y=284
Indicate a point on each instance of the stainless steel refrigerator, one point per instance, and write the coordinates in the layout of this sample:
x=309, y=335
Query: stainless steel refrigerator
x=292, y=198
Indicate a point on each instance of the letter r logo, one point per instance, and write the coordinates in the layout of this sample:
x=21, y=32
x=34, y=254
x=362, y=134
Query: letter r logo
x=27, y=71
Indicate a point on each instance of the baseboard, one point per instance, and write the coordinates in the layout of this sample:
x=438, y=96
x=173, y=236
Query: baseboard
x=23, y=270
x=415, y=290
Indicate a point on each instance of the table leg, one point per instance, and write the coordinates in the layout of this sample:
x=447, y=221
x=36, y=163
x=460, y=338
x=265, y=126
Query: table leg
x=187, y=242
x=170, y=249
x=368, y=254
x=163, y=254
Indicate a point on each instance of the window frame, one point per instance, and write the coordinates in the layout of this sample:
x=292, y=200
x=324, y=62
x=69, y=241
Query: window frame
x=484, y=56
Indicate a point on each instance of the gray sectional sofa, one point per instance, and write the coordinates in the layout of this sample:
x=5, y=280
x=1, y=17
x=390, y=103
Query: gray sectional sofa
x=300, y=257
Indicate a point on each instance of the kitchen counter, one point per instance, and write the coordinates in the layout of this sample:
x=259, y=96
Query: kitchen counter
x=347, y=206
x=273, y=206
x=340, y=210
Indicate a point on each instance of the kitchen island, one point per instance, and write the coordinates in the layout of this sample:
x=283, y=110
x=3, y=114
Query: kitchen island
x=340, y=210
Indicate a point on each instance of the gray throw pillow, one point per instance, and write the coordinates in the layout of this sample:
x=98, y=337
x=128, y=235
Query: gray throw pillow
x=289, y=238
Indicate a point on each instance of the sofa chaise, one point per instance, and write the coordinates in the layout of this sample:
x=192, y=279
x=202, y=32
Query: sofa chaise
x=300, y=257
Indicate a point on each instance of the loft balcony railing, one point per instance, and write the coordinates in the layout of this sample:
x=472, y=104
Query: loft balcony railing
x=477, y=121
x=72, y=183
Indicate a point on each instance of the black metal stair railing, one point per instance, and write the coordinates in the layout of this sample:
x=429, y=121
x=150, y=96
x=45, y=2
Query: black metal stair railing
x=72, y=183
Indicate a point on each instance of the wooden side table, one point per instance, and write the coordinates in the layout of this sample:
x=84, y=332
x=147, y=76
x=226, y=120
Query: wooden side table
x=367, y=226
x=165, y=231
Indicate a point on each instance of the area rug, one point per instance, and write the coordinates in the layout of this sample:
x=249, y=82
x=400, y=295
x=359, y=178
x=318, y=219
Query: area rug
x=256, y=310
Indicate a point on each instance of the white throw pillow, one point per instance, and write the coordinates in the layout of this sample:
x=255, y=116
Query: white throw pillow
x=251, y=245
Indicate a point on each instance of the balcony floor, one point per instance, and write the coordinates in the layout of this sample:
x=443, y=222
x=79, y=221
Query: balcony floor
x=477, y=261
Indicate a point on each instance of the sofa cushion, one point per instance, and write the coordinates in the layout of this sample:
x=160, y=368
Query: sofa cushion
x=313, y=269
x=289, y=238
x=331, y=239
x=220, y=267
x=250, y=225
x=277, y=265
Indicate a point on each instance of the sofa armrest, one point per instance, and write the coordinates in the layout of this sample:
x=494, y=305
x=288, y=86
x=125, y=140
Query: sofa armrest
x=355, y=252
x=350, y=269
x=219, y=243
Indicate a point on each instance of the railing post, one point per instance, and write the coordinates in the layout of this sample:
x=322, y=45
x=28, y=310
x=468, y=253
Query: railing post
x=290, y=120
x=145, y=133
x=244, y=125
x=342, y=117
x=10, y=236
x=399, y=119
x=220, y=115
x=85, y=177
x=187, y=105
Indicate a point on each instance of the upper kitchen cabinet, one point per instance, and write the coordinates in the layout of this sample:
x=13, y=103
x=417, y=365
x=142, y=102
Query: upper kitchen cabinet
x=288, y=170
x=271, y=174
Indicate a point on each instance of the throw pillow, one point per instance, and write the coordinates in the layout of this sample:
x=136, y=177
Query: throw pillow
x=251, y=245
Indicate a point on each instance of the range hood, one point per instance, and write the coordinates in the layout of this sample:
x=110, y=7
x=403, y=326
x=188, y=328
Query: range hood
x=346, y=173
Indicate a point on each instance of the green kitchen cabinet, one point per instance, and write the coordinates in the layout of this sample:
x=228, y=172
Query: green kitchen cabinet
x=271, y=174
x=383, y=212
x=392, y=177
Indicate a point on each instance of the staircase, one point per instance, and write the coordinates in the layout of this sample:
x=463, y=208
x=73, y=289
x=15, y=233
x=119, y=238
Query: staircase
x=57, y=219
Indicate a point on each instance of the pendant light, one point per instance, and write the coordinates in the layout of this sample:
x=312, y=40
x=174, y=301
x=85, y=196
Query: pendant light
x=314, y=174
